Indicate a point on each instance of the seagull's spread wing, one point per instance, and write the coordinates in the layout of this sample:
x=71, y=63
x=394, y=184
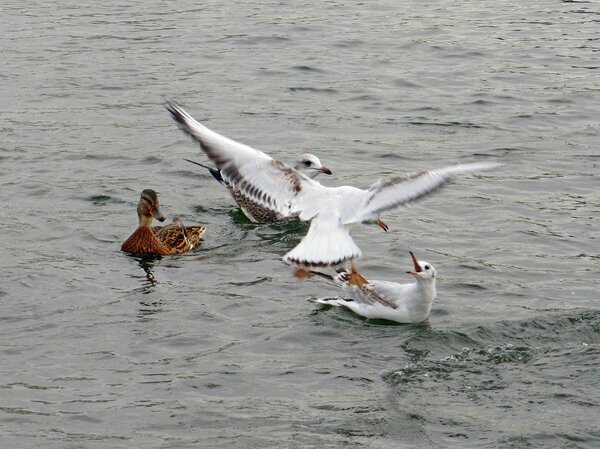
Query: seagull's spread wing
x=401, y=191
x=268, y=182
x=336, y=210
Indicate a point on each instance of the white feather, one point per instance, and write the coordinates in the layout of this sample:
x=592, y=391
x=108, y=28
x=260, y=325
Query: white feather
x=326, y=243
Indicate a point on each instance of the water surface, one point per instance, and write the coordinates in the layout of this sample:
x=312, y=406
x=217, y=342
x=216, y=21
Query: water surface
x=219, y=348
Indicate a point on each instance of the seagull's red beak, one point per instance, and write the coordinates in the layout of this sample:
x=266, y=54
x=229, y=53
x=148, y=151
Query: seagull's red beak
x=418, y=268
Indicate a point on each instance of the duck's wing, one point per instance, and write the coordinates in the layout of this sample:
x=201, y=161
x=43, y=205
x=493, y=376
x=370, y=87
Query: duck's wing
x=179, y=238
x=266, y=181
x=195, y=235
x=401, y=191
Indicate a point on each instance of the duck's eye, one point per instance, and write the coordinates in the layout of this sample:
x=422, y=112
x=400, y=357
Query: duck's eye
x=427, y=267
x=307, y=163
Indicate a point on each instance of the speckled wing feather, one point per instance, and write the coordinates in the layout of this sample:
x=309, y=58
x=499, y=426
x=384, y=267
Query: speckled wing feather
x=401, y=191
x=369, y=293
x=264, y=180
x=180, y=239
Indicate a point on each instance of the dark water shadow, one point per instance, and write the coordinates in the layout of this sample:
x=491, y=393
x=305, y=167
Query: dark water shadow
x=284, y=226
x=239, y=218
x=148, y=284
x=147, y=263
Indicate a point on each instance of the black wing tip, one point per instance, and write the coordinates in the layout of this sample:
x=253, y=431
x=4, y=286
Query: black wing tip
x=175, y=111
x=213, y=171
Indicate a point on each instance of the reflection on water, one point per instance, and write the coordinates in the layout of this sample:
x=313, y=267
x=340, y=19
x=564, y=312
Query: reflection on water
x=149, y=281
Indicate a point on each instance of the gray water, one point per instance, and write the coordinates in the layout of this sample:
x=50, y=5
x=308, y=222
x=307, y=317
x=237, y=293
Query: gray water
x=218, y=348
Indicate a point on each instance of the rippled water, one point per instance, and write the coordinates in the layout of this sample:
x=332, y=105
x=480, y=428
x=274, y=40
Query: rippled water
x=219, y=348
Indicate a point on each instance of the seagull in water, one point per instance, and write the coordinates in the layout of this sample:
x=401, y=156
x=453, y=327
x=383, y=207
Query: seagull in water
x=308, y=164
x=403, y=303
x=332, y=211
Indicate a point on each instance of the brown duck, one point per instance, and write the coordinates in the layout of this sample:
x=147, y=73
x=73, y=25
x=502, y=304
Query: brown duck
x=174, y=238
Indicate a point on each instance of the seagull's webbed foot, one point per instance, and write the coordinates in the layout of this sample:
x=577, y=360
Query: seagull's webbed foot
x=355, y=278
x=302, y=273
x=382, y=225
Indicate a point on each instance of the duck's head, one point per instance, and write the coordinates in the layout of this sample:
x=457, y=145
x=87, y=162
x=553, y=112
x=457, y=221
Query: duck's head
x=311, y=166
x=423, y=271
x=148, y=207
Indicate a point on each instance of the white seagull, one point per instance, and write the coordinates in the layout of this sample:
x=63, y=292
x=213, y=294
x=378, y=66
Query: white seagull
x=403, y=303
x=309, y=164
x=332, y=211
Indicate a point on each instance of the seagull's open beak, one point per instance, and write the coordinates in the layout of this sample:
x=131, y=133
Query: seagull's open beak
x=325, y=170
x=157, y=214
x=418, y=268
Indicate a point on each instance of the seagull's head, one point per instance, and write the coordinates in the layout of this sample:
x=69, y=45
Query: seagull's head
x=310, y=165
x=423, y=271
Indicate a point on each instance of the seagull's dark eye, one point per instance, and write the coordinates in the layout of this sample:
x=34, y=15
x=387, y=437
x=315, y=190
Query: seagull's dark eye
x=307, y=163
x=427, y=267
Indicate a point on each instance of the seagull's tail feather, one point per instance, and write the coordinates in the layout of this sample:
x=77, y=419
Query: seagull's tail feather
x=213, y=171
x=327, y=243
x=329, y=301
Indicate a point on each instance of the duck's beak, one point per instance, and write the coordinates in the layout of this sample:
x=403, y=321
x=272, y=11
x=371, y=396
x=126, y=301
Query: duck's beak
x=418, y=268
x=157, y=214
x=325, y=170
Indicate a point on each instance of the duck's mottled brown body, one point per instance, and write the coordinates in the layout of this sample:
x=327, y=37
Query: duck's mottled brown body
x=174, y=238
x=178, y=237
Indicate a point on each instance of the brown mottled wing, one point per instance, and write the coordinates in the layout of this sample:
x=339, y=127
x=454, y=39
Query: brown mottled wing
x=180, y=239
x=195, y=235
x=254, y=211
x=268, y=182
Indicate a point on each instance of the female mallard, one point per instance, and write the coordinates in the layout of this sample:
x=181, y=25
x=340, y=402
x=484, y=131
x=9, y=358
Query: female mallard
x=174, y=238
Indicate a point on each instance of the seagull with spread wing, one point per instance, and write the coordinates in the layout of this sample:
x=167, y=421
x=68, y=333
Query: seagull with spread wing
x=332, y=211
x=308, y=164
